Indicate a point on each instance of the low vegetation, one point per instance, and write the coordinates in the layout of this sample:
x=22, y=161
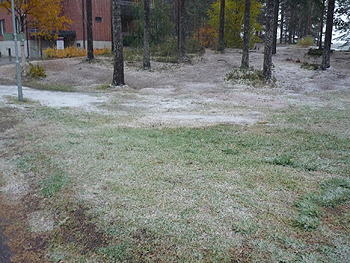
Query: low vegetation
x=310, y=66
x=36, y=71
x=306, y=41
x=70, y=52
x=251, y=77
x=225, y=193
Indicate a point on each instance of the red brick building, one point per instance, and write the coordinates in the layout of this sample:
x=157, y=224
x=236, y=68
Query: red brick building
x=75, y=35
x=101, y=21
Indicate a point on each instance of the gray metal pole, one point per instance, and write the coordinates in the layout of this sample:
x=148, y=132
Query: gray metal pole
x=18, y=68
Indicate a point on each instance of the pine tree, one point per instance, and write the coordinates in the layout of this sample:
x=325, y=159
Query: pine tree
x=245, y=55
x=90, y=40
x=275, y=24
x=328, y=35
x=182, y=30
x=118, y=73
x=146, y=39
x=267, y=68
x=221, y=43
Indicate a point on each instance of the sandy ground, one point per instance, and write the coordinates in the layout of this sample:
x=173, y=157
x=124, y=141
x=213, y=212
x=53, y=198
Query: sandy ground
x=193, y=94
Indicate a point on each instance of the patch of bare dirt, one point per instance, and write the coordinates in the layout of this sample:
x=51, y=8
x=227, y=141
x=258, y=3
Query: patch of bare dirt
x=26, y=247
x=194, y=94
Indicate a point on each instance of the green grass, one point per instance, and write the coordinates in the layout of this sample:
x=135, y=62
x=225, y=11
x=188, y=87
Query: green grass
x=46, y=86
x=216, y=194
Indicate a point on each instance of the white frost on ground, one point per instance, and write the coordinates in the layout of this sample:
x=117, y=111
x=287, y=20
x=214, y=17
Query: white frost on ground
x=54, y=99
x=194, y=94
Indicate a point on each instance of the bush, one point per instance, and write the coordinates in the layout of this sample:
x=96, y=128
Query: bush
x=166, y=49
x=193, y=46
x=310, y=66
x=306, y=41
x=247, y=76
x=71, y=52
x=36, y=71
x=68, y=52
x=315, y=52
x=103, y=51
x=206, y=36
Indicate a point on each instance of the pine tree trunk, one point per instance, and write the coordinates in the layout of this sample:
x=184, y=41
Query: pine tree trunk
x=275, y=23
x=321, y=26
x=146, y=51
x=328, y=35
x=118, y=73
x=177, y=20
x=309, y=14
x=221, y=42
x=245, y=55
x=183, y=56
x=90, y=40
x=282, y=23
x=268, y=40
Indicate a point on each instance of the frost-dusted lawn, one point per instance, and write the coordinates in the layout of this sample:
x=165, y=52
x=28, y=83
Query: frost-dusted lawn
x=274, y=191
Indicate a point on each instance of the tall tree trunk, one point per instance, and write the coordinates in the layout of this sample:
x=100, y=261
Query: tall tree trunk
x=328, y=35
x=221, y=42
x=245, y=55
x=275, y=24
x=282, y=23
x=83, y=17
x=177, y=19
x=146, y=52
x=321, y=26
x=268, y=40
x=309, y=14
x=118, y=73
x=90, y=40
x=182, y=11
x=290, y=26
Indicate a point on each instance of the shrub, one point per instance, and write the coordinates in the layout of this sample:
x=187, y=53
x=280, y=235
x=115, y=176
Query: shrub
x=66, y=53
x=315, y=52
x=306, y=41
x=206, y=36
x=247, y=76
x=194, y=46
x=50, y=52
x=310, y=66
x=166, y=49
x=36, y=71
x=103, y=51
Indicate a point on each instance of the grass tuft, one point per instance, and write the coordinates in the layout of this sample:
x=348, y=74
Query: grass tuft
x=53, y=184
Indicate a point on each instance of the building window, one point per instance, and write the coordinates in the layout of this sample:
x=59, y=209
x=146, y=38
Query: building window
x=98, y=19
x=2, y=27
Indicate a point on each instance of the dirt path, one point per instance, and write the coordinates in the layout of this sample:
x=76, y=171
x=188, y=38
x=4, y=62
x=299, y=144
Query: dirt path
x=194, y=94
